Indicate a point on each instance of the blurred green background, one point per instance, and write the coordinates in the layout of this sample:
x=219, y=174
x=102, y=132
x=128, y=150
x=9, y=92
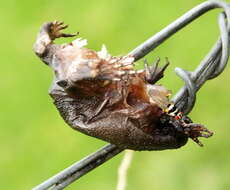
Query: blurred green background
x=36, y=143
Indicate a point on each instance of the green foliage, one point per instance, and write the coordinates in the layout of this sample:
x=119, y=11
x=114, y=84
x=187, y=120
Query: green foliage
x=36, y=143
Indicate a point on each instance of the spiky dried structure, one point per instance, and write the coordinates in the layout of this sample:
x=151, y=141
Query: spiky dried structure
x=104, y=97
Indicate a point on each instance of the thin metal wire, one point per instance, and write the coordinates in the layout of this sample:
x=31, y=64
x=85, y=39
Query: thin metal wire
x=178, y=24
x=80, y=168
x=191, y=89
x=210, y=67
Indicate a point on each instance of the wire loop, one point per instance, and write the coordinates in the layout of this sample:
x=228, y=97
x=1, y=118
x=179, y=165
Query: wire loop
x=214, y=67
x=191, y=90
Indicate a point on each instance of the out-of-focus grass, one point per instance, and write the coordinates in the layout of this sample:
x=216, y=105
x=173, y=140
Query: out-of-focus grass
x=35, y=141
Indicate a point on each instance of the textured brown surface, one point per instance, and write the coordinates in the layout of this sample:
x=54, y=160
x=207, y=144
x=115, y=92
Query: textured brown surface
x=104, y=97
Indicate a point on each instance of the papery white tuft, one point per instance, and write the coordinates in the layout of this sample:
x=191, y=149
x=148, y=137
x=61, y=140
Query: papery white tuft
x=79, y=42
x=103, y=54
x=127, y=60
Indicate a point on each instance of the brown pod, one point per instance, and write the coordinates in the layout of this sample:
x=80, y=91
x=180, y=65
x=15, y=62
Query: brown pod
x=104, y=97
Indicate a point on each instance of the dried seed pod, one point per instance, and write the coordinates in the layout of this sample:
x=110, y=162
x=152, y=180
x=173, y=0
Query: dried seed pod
x=104, y=97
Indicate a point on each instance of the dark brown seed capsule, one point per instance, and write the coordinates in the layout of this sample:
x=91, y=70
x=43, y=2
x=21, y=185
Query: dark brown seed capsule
x=104, y=97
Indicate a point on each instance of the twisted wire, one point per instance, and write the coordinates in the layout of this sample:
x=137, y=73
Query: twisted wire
x=210, y=67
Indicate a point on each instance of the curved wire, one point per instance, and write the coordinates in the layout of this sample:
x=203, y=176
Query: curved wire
x=216, y=63
x=225, y=46
x=191, y=89
x=156, y=40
